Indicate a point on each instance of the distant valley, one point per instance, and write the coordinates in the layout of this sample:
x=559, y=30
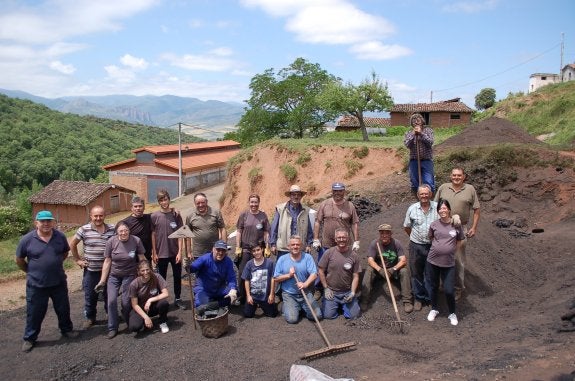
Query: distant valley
x=203, y=119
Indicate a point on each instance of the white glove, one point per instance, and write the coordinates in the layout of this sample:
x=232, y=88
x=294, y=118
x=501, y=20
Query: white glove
x=456, y=220
x=355, y=246
x=328, y=294
x=349, y=297
x=316, y=244
x=233, y=295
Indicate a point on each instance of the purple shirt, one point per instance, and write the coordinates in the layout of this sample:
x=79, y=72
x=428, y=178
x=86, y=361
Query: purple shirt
x=444, y=237
x=124, y=255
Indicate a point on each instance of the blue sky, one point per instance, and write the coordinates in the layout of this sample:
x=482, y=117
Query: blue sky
x=210, y=49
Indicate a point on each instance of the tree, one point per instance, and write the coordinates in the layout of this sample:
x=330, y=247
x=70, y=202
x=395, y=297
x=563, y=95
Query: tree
x=370, y=95
x=284, y=103
x=485, y=99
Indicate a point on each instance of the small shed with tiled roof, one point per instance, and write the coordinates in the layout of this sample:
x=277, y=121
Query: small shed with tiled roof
x=448, y=113
x=155, y=167
x=350, y=123
x=71, y=201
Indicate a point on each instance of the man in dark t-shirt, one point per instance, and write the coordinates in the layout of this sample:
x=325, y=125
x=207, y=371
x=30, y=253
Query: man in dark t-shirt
x=140, y=225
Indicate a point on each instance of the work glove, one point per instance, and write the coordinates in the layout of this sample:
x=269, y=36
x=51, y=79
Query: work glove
x=267, y=252
x=328, y=293
x=355, y=246
x=456, y=220
x=233, y=295
x=99, y=287
x=238, y=252
x=316, y=244
x=391, y=271
x=349, y=297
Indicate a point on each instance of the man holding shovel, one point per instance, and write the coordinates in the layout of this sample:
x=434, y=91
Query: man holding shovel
x=419, y=140
x=395, y=265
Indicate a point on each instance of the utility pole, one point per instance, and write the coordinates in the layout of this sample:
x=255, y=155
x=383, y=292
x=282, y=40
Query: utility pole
x=180, y=183
x=431, y=97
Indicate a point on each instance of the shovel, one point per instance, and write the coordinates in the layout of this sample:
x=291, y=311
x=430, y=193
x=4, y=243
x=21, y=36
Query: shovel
x=330, y=349
x=402, y=325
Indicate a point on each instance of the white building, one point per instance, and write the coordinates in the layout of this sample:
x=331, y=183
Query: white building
x=539, y=80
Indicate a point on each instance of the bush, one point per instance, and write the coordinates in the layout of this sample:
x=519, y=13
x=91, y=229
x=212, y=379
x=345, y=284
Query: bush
x=13, y=222
x=255, y=175
x=360, y=153
x=289, y=172
x=352, y=168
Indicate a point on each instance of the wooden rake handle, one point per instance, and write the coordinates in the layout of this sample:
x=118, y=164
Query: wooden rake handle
x=319, y=327
x=388, y=283
x=190, y=282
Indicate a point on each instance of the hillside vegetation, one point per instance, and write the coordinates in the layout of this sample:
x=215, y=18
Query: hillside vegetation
x=38, y=145
x=547, y=111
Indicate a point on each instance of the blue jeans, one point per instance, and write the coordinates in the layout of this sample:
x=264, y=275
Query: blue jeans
x=417, y=262
x=114, y=285
x=176, y=273
x=294, y=304
x=331, y=307
x=90, y=280
x=202, y=297
x=447, y=275
x=427, y=176
x=37, y=305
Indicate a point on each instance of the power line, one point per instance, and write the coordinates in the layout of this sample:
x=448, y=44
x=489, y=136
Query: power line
x=501, y=72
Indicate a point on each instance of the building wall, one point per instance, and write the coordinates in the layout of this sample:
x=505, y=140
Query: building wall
x=568, y=74
x=135, y=182
x=436, y=119
x=537, y=81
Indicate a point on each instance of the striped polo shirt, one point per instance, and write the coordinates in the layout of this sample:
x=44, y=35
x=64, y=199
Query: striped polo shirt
x=94, y=244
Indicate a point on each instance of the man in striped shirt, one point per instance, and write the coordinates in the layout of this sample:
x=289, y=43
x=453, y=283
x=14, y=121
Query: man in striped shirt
x=416, y=224
x=93, y=237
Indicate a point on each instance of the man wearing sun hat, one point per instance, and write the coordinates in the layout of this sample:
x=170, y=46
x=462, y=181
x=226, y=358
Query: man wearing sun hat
x=291, y=218
x=333, y=213
x=41, y=254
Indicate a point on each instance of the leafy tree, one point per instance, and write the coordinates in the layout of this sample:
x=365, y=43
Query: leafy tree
x=485, y=99
x=370, y=95
x=284, y=103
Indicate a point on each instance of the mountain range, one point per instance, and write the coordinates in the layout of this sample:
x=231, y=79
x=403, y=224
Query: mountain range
x=205, y=119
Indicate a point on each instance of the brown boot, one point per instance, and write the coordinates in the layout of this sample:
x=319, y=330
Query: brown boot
x=407, y=307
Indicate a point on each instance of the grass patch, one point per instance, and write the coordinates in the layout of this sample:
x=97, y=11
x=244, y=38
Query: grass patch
x=361, y=152
x=255, y=175
x=353, y=167
x=303, y=158
x=289, y=172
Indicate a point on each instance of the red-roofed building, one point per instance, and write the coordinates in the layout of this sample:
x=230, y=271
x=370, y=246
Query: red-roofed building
x=438, y=114
x=350, y=123
x=156, y=167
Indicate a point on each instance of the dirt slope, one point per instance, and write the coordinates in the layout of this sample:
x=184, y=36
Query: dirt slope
x=519, y=283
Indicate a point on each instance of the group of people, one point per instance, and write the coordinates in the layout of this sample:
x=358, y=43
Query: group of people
x=130, y=260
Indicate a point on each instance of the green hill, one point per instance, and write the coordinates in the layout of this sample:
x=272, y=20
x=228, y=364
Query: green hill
x=39, y=145
x=548, y=111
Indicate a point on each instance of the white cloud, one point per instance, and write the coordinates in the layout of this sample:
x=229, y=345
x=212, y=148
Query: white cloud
x=470, y=6
x=214, y=60
x=134, y=62
x=62, y=68
x=335, y=22
x=375, y=50
x=119, y=74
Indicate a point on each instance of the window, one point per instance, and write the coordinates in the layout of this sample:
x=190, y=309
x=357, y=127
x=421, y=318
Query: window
x=455, y=116
x=544, y=78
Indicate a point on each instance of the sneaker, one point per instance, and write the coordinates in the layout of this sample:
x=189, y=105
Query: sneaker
x=70, y=334
x=164, y=328
x=112, y=334
x=407, y=307
x=27, y=346
x=87, y=323
x=432, y=315
x=417, y=306
x=178, y=303
x=453, y=319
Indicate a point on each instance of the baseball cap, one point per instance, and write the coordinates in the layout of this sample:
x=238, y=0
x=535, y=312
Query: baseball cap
x=337, y=186
x=44, y=215
x=384, y=227
x=221, y=245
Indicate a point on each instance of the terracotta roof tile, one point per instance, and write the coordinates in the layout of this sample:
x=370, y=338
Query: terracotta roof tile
x=173, y=148
x=352, y=121
x=453, y=105
x=72, y=192
x=199, y=161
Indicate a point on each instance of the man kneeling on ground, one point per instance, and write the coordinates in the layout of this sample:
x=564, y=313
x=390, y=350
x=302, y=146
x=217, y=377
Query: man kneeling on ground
x=339, y=270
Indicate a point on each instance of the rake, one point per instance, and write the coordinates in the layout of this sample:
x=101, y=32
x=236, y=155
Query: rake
x=399, y=324
x=330, y=349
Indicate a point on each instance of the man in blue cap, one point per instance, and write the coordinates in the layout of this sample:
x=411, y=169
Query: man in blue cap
x=215, y=277
x=334, y=213
x=41, y=254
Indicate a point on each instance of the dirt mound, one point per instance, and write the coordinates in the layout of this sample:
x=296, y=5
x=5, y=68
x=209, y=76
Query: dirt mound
x=487, y=132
